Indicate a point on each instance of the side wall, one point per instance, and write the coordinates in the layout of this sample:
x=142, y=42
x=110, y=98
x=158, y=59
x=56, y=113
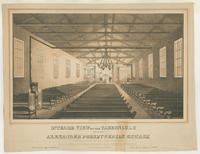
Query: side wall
x=22, y=85
x=43, y=66
x=121, y=73
x=170, y=83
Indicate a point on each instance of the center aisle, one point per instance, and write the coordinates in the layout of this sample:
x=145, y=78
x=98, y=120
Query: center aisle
x=100, y=102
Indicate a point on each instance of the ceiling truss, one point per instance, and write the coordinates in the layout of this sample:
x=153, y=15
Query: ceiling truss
x=87, y=36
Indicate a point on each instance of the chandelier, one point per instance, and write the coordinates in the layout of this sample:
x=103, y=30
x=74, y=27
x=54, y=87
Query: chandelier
x=105, y=62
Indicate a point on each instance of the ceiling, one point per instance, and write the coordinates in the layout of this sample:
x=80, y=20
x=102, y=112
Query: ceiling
x=87, y=36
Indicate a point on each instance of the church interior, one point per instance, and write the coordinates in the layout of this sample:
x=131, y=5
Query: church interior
x=98, y=66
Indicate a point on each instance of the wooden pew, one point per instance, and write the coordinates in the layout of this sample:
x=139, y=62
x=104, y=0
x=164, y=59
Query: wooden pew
x=60, y=94
x=21, y=108
x=153, y=99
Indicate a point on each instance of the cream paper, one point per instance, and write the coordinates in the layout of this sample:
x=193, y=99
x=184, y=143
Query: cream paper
x=101, y=134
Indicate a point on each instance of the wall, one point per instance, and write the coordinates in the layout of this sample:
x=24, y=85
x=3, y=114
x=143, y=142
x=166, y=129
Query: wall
x=42, y=66
x=170, y=83
x=21, y=85
x=115, y=72
x=121, y=72
x=43, y=76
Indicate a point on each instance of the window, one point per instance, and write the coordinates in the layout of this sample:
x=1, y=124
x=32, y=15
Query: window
x=178, y=56
x=163, y=64
x=129, y=71
x=150, y=65
x=77, y=70
x=67, y=68
x=141, y=69
x=40, y=66
x=133, y=70
x=18, y=58
x=55, y=67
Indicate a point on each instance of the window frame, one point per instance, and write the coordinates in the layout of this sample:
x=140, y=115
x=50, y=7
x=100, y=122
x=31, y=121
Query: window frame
x=178, y=58
x=141, y=71
x=133, y=71
x=16, y=72
x=78, y=70
x=67, y=68
x=150, y=66
x=56, y=68
x=163, y=62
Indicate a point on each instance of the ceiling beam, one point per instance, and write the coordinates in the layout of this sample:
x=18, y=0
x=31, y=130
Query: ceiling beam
x=113, y=21
x=87, y=42
x=102, y=47
x=111, y=51
x=124, y=42
x=109, y=33
x=92, y=60
x=112, y=28
x=113, y=57
x=82, y=54
x=133, y=21
x=119, y=61
x=92, y=24
x=105, y=28
x=113, y=40
x=49, y=28
x=97, y=47
x=155, y=27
